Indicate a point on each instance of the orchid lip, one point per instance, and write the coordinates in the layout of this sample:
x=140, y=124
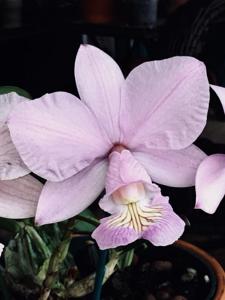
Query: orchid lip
x=136, y=206
x=136, y=217
x=133, y=214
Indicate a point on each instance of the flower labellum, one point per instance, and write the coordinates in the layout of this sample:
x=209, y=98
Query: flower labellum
x=156, y=113
x=137, y=208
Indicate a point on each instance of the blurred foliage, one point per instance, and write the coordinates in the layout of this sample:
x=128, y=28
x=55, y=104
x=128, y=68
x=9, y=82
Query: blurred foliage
x=29, y=253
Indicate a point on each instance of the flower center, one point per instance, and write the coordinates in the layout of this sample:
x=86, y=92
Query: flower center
x=118, y=148
x=134, y=215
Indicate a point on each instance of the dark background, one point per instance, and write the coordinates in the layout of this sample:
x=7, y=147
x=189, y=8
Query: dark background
x=39, y=40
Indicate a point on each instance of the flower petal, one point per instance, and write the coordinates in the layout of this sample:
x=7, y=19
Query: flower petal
x=166, y=230
x=108, y=237
x=62, y=200
x=56, y=135
x=99, y=80
x=19, y=197
x=175, y=168
x=220, y=91
x=11, y=165
x=164, y=104
x=107, y=204
x=124, y=169
x=210, y=183
x=7, y=103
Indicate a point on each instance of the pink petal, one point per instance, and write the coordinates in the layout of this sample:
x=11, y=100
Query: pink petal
x=99, y=81
x=175, y=168
x=164, y=104
x=107, y=204
x=62, y=200
x=220, y=91
x=56, y=135
x=111, y=237
x=7, y=103
x=210, y=183
x=11, y=165
x=19, y=197
x=166, y=230
x=124, y=169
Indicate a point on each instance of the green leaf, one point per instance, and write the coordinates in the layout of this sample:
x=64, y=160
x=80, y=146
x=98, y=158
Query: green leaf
x=86, y=221
x=125, y=259
x=19, y=91
x=38, y=241
x=12, y=260
x=41, y=275
x=4, y=293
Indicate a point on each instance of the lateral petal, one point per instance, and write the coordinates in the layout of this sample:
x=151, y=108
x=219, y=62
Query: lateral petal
x=175, y=168
x=164, y=104
x=56, y=135
x=62, y=200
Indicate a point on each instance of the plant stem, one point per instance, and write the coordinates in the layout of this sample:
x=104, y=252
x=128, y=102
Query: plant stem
x=100, y=274
x=56, y=259
x=85, y=285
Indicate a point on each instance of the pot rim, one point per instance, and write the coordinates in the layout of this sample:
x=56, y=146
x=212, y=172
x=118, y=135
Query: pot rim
x=211, y=263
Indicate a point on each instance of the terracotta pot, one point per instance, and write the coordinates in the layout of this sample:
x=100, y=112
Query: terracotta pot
x=211, y=262
x=181, y=252
x=98, y=11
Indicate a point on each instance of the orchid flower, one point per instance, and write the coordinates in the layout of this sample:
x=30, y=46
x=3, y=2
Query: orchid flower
x=137, y=207
x=210, y=177
x=19, y=191
x=156, y=113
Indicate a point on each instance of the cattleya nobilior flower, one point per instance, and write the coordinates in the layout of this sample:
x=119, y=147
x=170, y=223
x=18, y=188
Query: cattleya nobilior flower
x=210, y=177
x=137, y=208
x=156, y=113
x=19, y=191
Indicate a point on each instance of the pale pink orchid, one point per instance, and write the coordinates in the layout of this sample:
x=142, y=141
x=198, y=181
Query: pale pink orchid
x=19, y=191
x=210, y=177
x=156, y=113
x=138, y=209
